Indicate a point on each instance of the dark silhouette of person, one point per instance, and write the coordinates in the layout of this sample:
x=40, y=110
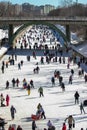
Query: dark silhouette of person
x=76, y=95
x=82, y=108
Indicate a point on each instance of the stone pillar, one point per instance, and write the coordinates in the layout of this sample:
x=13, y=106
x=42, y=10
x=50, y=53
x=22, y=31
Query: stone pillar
x=68, y=33
x=10, y=33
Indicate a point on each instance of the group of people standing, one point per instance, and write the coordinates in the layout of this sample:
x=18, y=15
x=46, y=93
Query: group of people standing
x=76, y=96
x=13, y=127
x=3, y=100
x=7, y=100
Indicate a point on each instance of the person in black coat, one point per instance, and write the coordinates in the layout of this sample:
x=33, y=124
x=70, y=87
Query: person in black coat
x=76, y=95
x=63, y=86
x=7, y=84
x=13, y=82
x=33, y=125
x=13, y=111
x=2, y=68
x=31, y=83
x=72, y=71
x=2, y=123
x=53, y=81
x=60, y=80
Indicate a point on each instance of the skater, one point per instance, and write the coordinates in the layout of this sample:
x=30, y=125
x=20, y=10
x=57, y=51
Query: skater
x=42, y=60
x=13, y=111
x=72, y=72
x=2, y=123
x=17, y=82
x=2, y=68
x=28, y=58
x=34, y=54
x=63, y=60
x=7, y=100
x=3, y=63
x=71, y=122
x=28, y=89
x=53, y=81
x=37, y=69
x=82, y=108
x=63, y=86
x=7, y=84
x=82, y=129
x=6, y=64
x=40, y=90
x=19, y=127
x=64, y=127
x=10, y=127
x=2, y=100
x=85, y=77
x=56, y=74
x=60, y=60
x=70, y=79
x=13, y=82
x=76, y=95
x=15, y=57
x=34, y=125
x=79, y=73
x=24, y=83
x=50, y=125
x=60, y=80
x=68, y=66
x=31, y=83
x=42, y=113
x=21, y=62
x=19, y=66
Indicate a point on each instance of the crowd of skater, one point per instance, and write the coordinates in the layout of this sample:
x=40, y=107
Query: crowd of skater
x=31, y=39
x=25, y=84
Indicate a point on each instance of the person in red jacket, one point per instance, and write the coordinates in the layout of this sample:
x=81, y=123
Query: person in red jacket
x=64, y=126
x=7, y=100
x=11, y=127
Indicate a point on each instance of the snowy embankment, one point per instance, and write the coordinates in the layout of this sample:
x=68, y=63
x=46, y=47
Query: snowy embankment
x=3, y=50
x=5, y=47
x=74, y=39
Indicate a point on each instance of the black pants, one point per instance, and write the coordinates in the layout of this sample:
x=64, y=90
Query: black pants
x=41, y=94
x=70, y=126
x=76, y=101
x=43, y=115
x=2, y=125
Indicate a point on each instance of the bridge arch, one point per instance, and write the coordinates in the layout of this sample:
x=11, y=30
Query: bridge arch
x=52, y=26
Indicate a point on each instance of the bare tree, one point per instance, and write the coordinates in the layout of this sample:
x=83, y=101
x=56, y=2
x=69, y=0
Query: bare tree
x=66, y=3
x=2, y=9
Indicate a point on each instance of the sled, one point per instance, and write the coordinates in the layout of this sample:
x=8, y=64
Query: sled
x=35, y=117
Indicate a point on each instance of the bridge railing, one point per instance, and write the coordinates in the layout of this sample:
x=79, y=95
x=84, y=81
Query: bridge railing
x=44, y=18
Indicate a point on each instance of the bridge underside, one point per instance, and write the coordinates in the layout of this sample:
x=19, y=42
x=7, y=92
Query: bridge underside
x=12, y=36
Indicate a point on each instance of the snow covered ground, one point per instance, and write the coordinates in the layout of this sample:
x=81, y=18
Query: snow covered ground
x=57, y=104
x=82, y=49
